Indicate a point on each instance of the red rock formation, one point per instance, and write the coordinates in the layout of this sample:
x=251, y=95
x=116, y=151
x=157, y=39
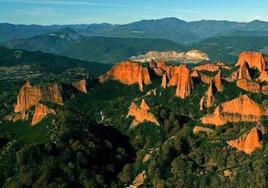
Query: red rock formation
x=141, y=114
x=241, y=109
x=139, y=180
x=233, y=77
x=205, y=78
x=208, y=99
x=159, y=67
x=199, y=129
x=248, y=142
x=254, y=59
x=263, y=77
x=80, y=85
x=217, y=81
x=195, y=74
x=222, y=65
x=207, y=67
x=41, y=111
x=164, y=81
x=250, y=86
x=28, y=96
x=264, y=89
x=182, y=79
x=128, y=72
x=243, y=71
x=52, y=94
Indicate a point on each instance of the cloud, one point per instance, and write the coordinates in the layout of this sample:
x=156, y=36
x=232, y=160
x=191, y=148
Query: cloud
x=36, y=12
x=85, y=3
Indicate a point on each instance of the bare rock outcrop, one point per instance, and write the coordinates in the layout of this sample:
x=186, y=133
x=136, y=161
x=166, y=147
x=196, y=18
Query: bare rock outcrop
x=233, y=76
x=159, y=67
x=80, y=85
x=244, y=71
x=207, y=67
x=207, y=100
x=248, y=142
x=249, y=86
x=241, y=109
x=218, y=81
x=129, y=73
x=182, y=79
x=40, y=112
x=253, y=59
x=164, y=81
x=199, y=129
x=139, y=180
x=31, y=95
x=263, y=77
x=141, y=114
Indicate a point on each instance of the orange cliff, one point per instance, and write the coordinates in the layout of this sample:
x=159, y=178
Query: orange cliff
x=31, y=95
x=159, y=67
x=254, y=59
x=129, y=73
x=263, y=77
x=182, y=79
x=244, y=71
x=141, y=114
x=208, y=99
x=40, y=112
x=80, y=85
x=250, y=86
x=218, y=81
x=207, y=67
x=240, y=109
x=248, y=142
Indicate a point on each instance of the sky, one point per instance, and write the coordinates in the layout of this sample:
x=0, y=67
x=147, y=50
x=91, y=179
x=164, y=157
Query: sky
x=47, y=12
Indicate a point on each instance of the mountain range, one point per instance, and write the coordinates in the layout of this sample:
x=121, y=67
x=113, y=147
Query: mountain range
x=67, y=42
x=171, y=28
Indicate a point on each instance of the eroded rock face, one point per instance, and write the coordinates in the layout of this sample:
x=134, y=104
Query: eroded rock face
x=159, y=67
x=80, y=85
x=207, y=67
x=249, y=86
x=31, y=95
x=164, y=81
x=233, y=76
x=244, y=72
x=41, y=111
x=129, y=73
x=218, y=82
x=241, y=109
x=199, y=129
x=263, y=77
x=248, y=142
x=141, y=114
x=139, y=180
x=207, y=100
x=182, y=79
x=28, y=96
x=254, y=59
x=52, y=94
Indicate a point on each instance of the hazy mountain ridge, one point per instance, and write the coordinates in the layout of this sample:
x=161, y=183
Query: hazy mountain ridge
x=167, y=28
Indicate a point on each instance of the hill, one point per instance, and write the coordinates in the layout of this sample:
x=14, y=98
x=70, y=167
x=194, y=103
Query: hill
x=68, y=42
x=45, y=63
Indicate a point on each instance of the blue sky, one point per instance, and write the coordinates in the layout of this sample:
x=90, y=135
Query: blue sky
x=48, y=12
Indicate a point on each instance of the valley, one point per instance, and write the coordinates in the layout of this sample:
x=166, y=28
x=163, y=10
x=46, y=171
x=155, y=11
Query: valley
x=176, y=124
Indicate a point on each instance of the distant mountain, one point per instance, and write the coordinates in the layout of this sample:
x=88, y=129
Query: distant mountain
x=172, y=29
x=227, y=48
x=68, y=42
